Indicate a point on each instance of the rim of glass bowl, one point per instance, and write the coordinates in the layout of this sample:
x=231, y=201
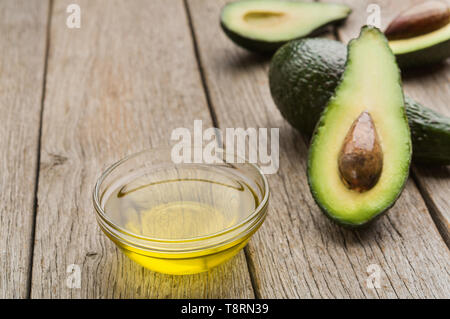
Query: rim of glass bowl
x=252, y=216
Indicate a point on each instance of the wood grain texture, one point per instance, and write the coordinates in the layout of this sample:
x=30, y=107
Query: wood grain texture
x=119, y=84
x=298, y=252
x=22, y=64
x=430, y=86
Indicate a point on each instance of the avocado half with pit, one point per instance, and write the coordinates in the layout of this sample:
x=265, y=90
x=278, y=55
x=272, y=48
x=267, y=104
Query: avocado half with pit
x=265, y=25
x=360, y=152
x=421, y=34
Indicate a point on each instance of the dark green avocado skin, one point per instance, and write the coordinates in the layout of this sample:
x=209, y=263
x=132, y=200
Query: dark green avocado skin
x=430, y=55
x=303, y=76
x=430, y=133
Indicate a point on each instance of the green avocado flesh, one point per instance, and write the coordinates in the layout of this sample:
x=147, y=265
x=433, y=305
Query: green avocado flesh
x=424, y=49
x=265, y=25
x=305, y=73
x=370, y=83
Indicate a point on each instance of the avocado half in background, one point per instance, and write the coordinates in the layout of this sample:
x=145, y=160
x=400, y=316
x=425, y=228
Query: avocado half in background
x=360, y=152
x=304, y=75
x=421, y=34
x=265, y=25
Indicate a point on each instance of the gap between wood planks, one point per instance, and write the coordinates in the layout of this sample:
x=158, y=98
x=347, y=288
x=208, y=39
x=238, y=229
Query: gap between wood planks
x=202, y=73
x=38, y=156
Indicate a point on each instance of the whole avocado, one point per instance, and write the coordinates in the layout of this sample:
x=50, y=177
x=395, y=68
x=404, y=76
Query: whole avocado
x=303, y=76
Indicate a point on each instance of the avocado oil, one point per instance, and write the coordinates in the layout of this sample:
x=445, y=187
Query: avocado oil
x=179, y=204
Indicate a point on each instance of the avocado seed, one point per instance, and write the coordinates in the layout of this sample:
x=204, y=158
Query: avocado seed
x=361, y=158
x=418, y=20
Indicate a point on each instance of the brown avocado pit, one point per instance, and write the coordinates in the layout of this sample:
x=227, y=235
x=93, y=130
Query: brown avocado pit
x=418, y=20
x=360, y=159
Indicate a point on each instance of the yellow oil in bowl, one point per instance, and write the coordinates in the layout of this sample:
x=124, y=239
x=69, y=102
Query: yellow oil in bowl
x=180, y=218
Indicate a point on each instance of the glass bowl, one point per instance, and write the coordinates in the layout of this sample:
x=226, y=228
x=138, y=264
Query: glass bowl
x=178, y=217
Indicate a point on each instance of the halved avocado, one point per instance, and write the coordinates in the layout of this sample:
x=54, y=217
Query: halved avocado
x=421, y=34
x=265, y=25
x=360, y=152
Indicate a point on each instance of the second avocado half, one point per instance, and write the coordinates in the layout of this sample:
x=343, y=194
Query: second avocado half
x=264, y=25
x=360, y=152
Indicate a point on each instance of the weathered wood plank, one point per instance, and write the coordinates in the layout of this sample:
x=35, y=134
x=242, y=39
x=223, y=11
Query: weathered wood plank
x=431, y=87
x=119, y=84
x=23, y=27
x=298, y=252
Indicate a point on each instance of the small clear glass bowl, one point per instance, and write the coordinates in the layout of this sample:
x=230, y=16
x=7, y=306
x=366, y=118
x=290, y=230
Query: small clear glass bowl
x=181, y=255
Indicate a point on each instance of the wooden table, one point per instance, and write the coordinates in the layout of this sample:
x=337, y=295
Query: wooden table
x=73, y=101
